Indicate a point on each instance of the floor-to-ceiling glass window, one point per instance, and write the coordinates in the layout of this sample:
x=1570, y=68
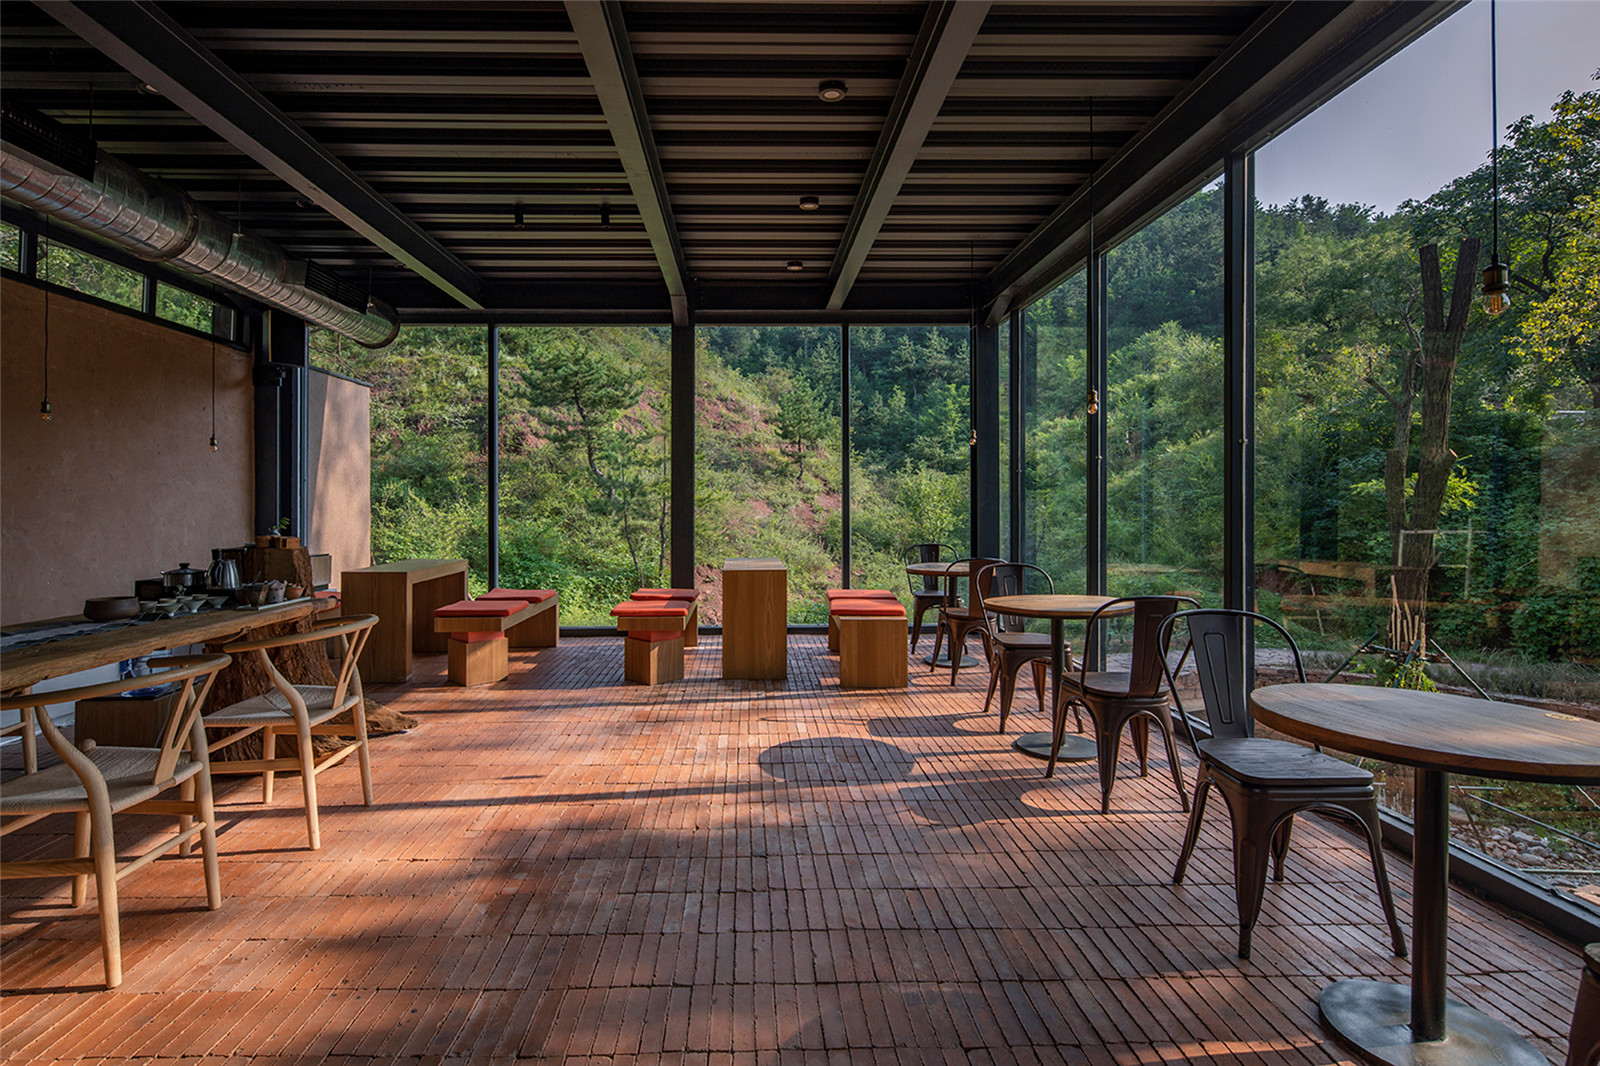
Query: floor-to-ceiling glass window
x=1007, y=387
x=768, y=466
x=1496, y=553
x=910, y=441
x=584, y=463
x=1164, y=392
x=1051, y=391
x=429, y=435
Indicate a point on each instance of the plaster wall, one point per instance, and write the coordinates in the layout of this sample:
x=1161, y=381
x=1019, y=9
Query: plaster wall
x=339, y=470
x=121, y=484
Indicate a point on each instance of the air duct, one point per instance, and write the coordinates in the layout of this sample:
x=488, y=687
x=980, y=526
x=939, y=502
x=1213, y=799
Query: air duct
x=162, y=224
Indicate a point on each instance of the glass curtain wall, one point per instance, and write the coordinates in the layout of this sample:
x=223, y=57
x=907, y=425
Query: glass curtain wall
x=429, y=435
x=1164, y=385
x=584, y=463
x=768, y=466
x=910, y=428
x=1051, y=394
x=1503, y=572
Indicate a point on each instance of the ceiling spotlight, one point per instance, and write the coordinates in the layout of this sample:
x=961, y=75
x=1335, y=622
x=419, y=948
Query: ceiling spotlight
x=795, y=264
x=146, y=88
x=809, y=203
x=518, y=220
x=832, y=91
x=605, y=216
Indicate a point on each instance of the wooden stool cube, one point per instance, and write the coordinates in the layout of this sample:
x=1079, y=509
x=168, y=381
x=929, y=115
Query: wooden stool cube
x=650, y=657
x=478, y=658
x=872, y=651
x=478, y=649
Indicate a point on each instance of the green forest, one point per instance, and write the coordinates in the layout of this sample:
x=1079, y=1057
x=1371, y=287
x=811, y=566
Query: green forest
x=1514, y=565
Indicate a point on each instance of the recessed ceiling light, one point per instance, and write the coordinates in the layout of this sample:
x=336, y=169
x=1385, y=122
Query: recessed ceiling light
x=809, y=203
x=146, y=88
x=795, y=264
x=832, y=91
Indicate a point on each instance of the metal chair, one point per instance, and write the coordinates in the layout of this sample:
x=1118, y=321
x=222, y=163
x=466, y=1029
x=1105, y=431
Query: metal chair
x=1011, y=646
x=1115, y=698
x=926, y=591
x=302, y=711
x=1265, y=782
x=960, y=619
x=97, y=782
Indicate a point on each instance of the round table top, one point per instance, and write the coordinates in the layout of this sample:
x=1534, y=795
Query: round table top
x=1052, y=605
x=1437, y=731
x=955, y=569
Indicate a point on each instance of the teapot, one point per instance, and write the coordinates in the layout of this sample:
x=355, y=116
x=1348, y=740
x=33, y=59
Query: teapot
x=224, y=573
x=184, y=578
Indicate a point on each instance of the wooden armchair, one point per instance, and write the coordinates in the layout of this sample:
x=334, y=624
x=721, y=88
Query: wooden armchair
x=96, y=782
x=302, y=711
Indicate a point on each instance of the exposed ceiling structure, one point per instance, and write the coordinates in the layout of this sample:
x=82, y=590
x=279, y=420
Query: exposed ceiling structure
x=655, y=160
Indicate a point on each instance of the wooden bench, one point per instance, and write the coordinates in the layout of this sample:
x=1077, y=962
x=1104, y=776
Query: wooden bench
x=542, y=628
x=850, y=594
x=477, y=637
x=691, y=597
x=872, y=642
x=652, y=646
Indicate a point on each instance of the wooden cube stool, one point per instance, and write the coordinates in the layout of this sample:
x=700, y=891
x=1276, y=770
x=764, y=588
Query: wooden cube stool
x=834, y=595
x=688, y=597
x=478, y=648
x=872, y=646
x=542, y=628
x=652, y=646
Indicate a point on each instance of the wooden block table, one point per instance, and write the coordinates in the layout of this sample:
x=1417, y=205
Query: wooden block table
x=404, y=596
x=755, y=619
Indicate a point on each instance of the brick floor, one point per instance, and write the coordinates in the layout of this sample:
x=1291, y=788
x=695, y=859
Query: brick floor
x=710, y=873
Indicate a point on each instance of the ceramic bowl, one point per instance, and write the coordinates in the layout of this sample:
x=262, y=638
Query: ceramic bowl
x=110, y=608
x=146, y=606
x=216, y=601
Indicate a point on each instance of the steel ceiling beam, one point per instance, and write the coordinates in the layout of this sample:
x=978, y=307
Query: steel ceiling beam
x=606, y=50
x=145, y=41
x=1292, y=59
x=948, y=30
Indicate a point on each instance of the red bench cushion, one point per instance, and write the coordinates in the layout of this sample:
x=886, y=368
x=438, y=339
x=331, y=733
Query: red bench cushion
x=480, y=609
x=858, y=594
x=650, y=609
x=868, y=608
x=531, y=595
x=666, y=594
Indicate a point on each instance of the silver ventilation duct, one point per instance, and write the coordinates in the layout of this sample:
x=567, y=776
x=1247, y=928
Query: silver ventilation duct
x=157, y=222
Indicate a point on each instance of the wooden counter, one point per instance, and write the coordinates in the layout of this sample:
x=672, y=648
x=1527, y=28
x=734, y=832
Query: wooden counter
x=755, y=619
x=403, y=595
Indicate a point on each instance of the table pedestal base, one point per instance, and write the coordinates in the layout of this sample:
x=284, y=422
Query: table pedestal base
x=944, y=660
x=1074, y=748
x=1373, y=1019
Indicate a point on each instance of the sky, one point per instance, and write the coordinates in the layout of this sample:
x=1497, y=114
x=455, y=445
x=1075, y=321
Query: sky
x=1422, y=118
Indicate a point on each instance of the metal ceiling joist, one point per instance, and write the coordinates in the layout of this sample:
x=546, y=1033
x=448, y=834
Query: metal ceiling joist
x=141, y=38
x=1295, y=57
x=948, y=30
x=604, y=40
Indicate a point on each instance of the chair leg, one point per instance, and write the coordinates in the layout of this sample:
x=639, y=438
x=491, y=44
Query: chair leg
x=916, y=624
x=80, y=850
x=1040, y=669
x=988, y=697
x=1141, y=743
x=186, y=795
x=938, y=641
x=363, y=759
x=269, y=751
x=30, y=743
x=1280, y=846
x=206, y=811
x=308, y=785
x=1253, y=831
x=1367, y=813
x=103, y=848
x=1108, y=748
x=1202, y=787
x=1164, y=721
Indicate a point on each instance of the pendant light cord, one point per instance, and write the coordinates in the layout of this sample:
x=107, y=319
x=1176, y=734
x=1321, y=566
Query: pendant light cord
x=1494, y=154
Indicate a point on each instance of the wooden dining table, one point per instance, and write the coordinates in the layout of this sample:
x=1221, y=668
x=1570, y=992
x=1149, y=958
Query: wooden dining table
x=1057, y=609
x=1438, y=734
x=949, y=573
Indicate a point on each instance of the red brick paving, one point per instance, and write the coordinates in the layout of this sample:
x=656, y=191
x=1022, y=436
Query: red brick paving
x=710, y=873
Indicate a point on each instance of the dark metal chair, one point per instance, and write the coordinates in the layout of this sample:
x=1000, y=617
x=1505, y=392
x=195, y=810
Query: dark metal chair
x=1583, y=1041
x=961, y=617
x=1115, y=698
x=1265, y=782
x=926, y=591
x=1011, y=646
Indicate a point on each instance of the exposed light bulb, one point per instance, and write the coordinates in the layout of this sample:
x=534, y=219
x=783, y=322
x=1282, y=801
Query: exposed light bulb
x=44, y=410
x=1094, y=401
x=213, y=442
x=1496, y=288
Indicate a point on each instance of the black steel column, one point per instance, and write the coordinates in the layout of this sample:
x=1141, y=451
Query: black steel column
x=280, y=424
x=1027, y=392
x=683, y=466
x=984, y=401
x=1239, y=360
x=844, y=454
x=1013, y=536
x=492, y=433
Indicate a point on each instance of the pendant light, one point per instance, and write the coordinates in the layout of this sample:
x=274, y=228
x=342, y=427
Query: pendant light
x=1093, y=406
x=1497, y=276
x=214, y=308
x=44, y=406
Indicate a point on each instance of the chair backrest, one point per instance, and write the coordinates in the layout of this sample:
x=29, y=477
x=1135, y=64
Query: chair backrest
x=1007, y=579
x=927, y=553
x=1148, y=668
x=973, y=564
x=1216, y=639
x=351, y=631
x=195, y=672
